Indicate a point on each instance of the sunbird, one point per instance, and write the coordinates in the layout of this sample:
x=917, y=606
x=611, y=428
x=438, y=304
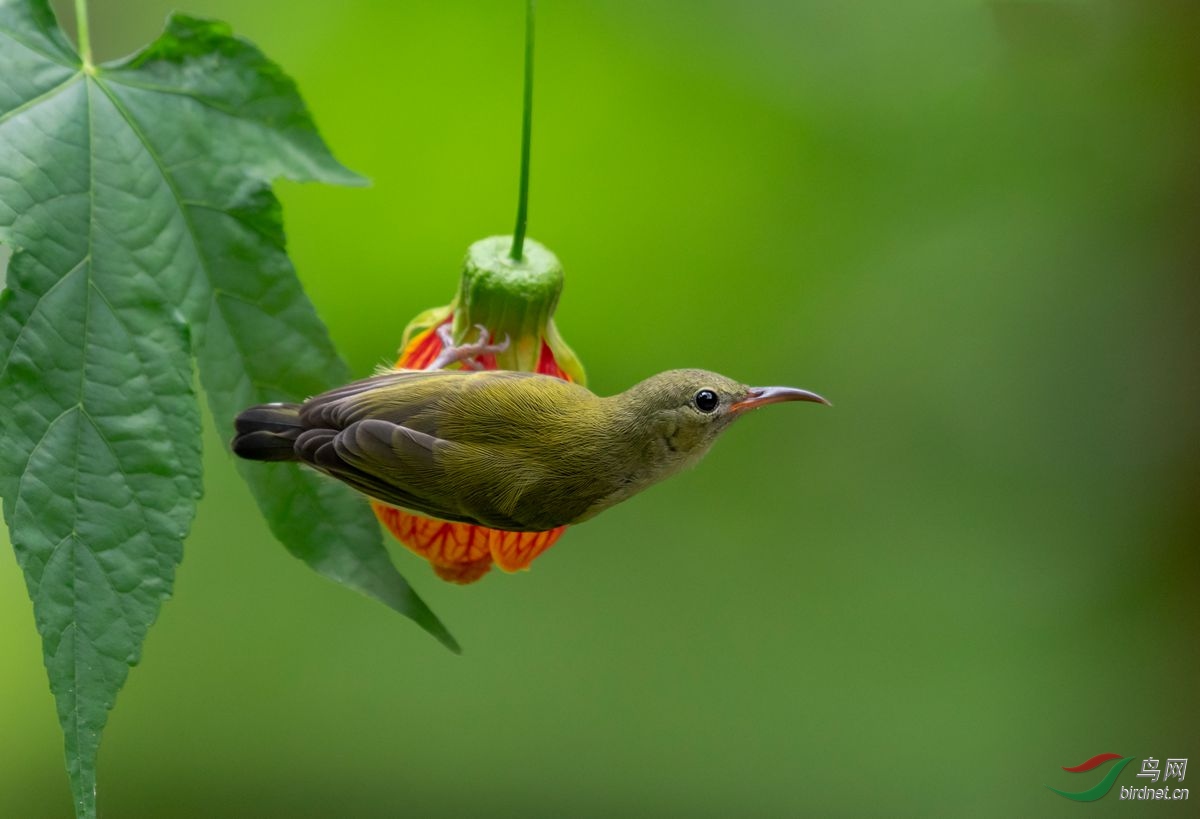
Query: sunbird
x=516, y=451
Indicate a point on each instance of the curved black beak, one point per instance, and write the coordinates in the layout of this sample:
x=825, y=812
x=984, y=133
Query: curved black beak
x=761, y=396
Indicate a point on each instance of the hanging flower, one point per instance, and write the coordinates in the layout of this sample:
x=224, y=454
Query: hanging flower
x=513, y=299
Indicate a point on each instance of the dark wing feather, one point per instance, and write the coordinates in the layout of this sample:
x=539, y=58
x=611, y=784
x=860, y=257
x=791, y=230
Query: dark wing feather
x=392, y=464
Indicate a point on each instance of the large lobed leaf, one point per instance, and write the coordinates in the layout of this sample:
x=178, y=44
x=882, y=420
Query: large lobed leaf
x=136, y=197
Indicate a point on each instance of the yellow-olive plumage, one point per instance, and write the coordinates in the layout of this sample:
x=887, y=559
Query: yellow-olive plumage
x=506, y=450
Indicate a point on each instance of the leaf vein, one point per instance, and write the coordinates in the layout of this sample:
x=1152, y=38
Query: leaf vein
x=120, y=319
x=121, y=470
x=168, y=180
x=37, y=306
x=121, y=79
x=33, y=102
x=54, y=58
x=37, y=446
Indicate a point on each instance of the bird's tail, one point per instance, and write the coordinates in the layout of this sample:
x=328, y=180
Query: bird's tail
x=267, y=432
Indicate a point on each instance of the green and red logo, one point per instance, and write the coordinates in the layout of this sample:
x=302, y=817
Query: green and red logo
x=1104, y=785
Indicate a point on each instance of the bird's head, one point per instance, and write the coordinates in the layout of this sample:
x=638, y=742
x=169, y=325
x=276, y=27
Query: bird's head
x=688, y=409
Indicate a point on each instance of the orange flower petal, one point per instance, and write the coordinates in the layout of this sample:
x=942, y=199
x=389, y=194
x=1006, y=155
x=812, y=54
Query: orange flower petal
x=514, y=551
x=437, y=541
x=422, y=350
x=463, y=573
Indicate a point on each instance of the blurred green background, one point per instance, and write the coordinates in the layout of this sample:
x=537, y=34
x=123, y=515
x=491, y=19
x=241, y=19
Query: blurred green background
x=971, y=225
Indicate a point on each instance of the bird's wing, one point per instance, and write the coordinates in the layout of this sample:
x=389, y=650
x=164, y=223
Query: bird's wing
x=399, y=396
x=398, y=465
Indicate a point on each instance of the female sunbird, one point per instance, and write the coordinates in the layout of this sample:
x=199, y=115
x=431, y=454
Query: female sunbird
x=508, y=450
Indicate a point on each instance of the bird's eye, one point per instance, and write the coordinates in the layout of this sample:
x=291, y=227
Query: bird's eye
x=707, y=400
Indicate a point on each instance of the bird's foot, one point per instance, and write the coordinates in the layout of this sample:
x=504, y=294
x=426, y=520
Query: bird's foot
x=465, y=354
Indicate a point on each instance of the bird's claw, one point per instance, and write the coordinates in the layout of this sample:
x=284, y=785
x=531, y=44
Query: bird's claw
x=465, y=354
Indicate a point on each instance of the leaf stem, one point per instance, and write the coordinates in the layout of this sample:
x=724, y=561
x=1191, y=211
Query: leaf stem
x=85, y=43
x=518, y=245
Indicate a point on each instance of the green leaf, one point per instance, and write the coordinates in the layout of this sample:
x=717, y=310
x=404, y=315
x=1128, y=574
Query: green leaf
x=136, y=199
